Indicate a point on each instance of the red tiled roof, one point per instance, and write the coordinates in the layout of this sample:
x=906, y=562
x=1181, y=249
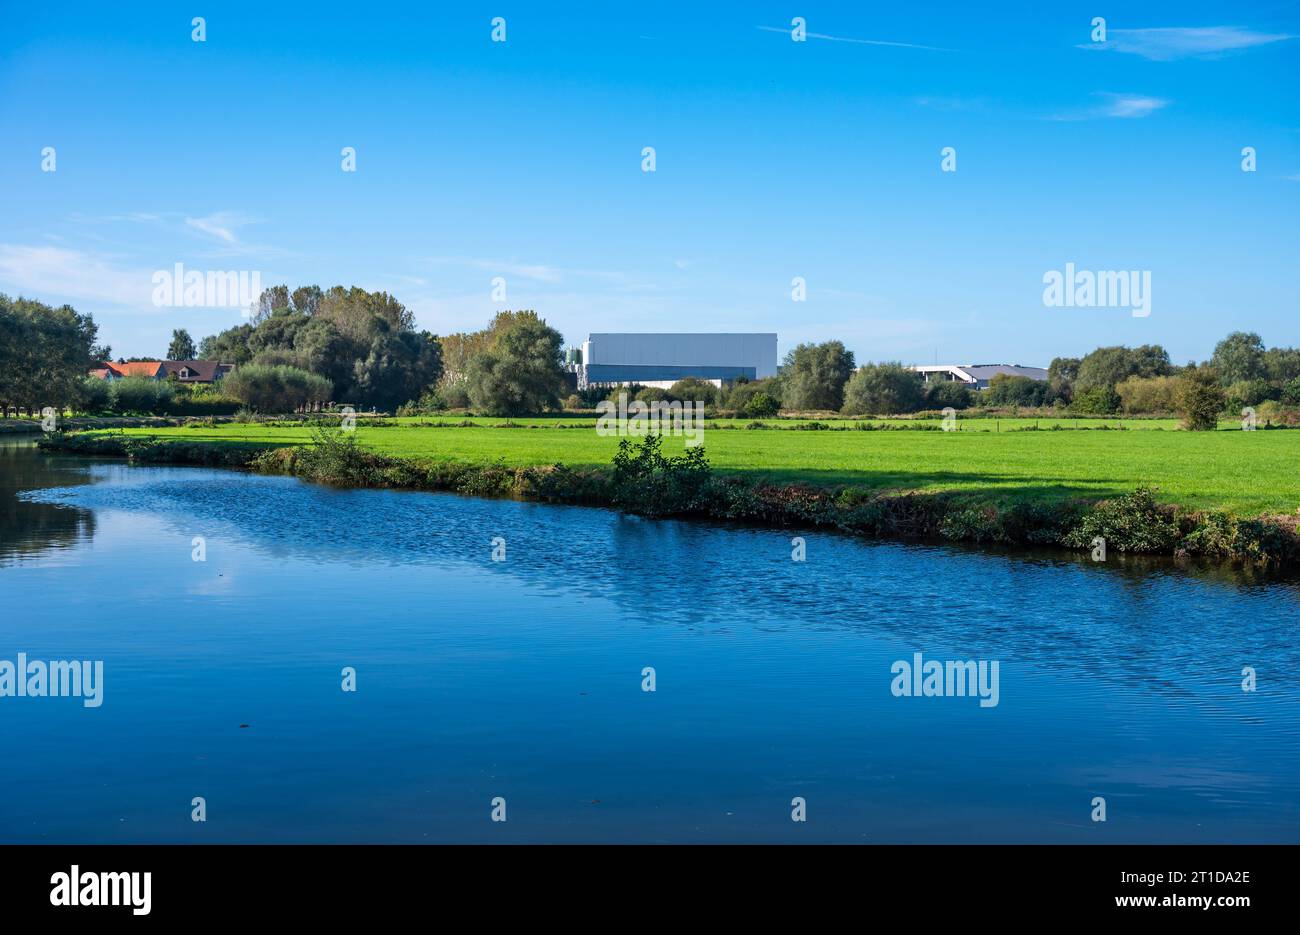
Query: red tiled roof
x=138, y=368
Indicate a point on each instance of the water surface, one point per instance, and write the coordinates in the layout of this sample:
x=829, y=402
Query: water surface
x=522, y=678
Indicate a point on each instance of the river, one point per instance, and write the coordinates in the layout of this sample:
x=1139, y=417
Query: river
x=522, y=679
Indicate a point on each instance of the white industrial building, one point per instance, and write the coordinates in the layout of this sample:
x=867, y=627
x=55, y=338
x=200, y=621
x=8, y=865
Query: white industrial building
x=609, y=359
x=977, y=376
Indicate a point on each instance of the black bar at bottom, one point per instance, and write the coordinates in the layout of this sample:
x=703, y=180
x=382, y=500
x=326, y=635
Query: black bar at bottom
x=931, y=883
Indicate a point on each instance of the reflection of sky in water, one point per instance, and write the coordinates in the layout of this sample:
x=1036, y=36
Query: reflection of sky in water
x=525, y=674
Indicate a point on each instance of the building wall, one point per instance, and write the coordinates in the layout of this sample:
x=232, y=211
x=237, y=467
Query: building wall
x=727, y=355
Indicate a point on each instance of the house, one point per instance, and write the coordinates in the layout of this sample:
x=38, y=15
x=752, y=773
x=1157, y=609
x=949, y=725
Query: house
x=663, y=359
x=196, y=371
x=977, y=376
x=151, y=369
x=186, y=371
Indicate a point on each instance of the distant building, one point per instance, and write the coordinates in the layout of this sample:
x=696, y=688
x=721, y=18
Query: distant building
x=977, y=376
x=107, y=370
x=186, y=371
x=661, y=360
x=197, y=371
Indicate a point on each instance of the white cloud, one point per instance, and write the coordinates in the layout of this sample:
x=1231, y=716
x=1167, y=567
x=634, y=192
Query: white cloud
x=827, y=38
x=222, y=226
x=1127, y=106
x=1166, y=44
x=1131, y=105
x=57, y=273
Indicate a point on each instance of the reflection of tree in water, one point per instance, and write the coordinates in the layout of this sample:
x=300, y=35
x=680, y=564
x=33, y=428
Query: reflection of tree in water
x=30, y=529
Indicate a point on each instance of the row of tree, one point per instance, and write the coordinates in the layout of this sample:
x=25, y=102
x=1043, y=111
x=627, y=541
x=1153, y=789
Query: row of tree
x=305, y=347
x=364, y=344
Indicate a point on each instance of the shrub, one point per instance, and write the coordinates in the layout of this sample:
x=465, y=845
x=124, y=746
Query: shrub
x=1134, y=522
x=1245, y=393
x=95, y=395
x=761, y=406
x=1199, y=399
x=647, y=483
x=1099, y=400
x=1147, y=394
x=276, y=388
x=140, y=395
x=336, y=458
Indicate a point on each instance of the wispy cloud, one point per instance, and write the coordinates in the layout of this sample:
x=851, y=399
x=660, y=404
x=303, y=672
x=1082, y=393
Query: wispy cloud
x=222, y=226
x=535, y=272
x=59, y=273
x=849, y=39
x=1127, y=106
x=1165, y=44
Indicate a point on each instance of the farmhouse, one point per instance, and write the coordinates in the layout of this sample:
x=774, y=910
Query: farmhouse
x=186, y=371
x=152, y=369
x=609, y=359
x=977, y=376
x=197, y=371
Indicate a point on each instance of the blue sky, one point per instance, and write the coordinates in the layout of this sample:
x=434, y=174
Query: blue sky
x=775, y=159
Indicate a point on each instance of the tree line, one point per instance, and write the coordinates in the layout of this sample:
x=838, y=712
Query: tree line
x=306, y=347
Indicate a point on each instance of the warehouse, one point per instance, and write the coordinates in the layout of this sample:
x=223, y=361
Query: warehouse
x=608, y=359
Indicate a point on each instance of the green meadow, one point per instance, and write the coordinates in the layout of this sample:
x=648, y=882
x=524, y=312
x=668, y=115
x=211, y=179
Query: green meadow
x=1244, y=473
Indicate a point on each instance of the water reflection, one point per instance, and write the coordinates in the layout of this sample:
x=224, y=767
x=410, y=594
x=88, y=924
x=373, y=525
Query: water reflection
x=32, y=528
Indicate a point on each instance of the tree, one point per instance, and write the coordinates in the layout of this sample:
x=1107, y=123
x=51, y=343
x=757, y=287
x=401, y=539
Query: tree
x=695, y=389
x=1007, y=390
x=364, y=344
x=182, y=346
x=743, y=390
x=948, y=394
x=1282, y=364
x=275, y=389
x=398, y=369
x=813, y=376
x=883, y=389
x=44, y=354
x=1061, y=374
x=1199, y=398
x=1096, y=400
x=1147, y=394
x=1239, y=356
x=521, y=373
x=761, y=406
x=1107, y=366
x=1249, y=393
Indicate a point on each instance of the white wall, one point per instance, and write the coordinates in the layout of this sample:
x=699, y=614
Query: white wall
x=684, y=350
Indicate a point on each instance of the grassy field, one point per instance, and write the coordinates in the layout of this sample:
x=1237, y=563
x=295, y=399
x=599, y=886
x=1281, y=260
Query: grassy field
x=1245, y=473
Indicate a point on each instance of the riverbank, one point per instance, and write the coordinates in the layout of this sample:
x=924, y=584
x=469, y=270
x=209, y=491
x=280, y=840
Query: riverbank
x=645, y=481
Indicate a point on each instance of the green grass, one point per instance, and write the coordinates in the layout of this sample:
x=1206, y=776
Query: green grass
x=1245, y=473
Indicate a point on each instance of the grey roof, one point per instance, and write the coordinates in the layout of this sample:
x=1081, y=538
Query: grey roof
x=203, y=371
x=985, y=372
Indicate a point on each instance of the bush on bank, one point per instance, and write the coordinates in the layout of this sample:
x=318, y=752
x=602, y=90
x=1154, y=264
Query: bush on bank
x=643, y=481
